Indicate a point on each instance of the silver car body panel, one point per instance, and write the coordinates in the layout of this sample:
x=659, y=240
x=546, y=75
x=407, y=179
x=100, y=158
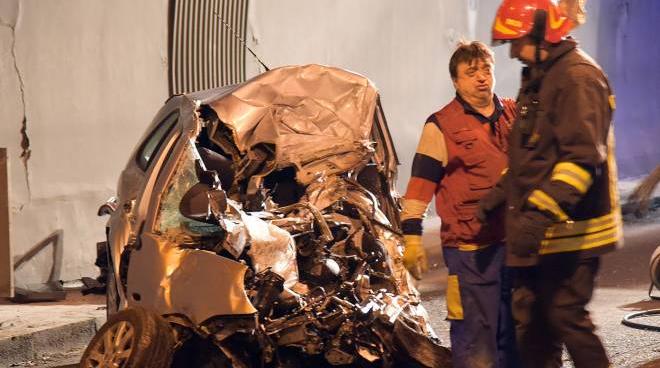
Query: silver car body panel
x=195, y=283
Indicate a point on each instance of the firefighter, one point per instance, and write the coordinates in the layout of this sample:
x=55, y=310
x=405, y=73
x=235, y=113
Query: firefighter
x=560, y=189
x=460, y=156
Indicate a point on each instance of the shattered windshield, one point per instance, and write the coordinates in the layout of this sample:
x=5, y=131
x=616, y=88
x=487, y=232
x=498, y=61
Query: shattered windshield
x=170, y=221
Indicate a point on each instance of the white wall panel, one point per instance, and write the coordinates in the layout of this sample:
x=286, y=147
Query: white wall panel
x=94, y=72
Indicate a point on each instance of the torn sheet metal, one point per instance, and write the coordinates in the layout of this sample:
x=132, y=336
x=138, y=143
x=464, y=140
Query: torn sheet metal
x=236, y=238
x=271, y=248
x=307, y=113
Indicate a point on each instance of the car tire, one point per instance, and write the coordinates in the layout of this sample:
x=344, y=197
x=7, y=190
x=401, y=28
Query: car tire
x=131, y=338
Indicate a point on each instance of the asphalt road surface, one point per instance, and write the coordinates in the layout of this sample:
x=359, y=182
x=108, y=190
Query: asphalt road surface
x=622, y=289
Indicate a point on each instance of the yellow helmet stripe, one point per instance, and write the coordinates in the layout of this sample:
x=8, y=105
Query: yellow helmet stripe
x=556, y=20
x=513, y=22
x=500, y=27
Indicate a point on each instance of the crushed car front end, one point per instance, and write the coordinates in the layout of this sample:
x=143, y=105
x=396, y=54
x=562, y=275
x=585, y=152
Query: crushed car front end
x=271, y=235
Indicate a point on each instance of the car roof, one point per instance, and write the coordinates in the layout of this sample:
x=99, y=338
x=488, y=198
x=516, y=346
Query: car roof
x=209, y=95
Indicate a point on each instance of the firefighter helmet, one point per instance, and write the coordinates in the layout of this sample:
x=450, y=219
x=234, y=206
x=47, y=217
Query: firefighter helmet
x=542, y=19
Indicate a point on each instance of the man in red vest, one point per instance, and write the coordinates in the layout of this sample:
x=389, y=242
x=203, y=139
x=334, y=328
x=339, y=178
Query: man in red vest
x=461, y=154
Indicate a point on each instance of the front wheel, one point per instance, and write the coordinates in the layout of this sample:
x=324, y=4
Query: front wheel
x=131, y=338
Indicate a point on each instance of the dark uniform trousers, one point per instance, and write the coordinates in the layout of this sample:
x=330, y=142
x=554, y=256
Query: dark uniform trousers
x=548, y=306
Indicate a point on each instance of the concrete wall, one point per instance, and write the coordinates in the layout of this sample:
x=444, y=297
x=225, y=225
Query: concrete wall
x=86, y=76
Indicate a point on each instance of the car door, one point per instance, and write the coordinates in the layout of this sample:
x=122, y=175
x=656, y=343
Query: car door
x=166, y=272
x=135, y=189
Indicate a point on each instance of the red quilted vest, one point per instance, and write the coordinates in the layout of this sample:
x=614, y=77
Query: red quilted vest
x=475, y=161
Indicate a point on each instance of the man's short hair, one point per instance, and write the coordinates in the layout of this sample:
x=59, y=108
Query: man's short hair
x=466, y=52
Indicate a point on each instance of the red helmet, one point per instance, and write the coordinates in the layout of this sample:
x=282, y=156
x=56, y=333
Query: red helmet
x=516, y=19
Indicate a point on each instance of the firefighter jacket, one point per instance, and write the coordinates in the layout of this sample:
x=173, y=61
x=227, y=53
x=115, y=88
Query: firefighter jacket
x=471, y=162
x=561, y=159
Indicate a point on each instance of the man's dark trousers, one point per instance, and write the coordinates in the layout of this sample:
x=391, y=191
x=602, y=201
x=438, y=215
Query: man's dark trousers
x=549, y=311
x=485, y=336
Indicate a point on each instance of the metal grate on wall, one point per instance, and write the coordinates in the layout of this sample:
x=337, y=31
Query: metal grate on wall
x=204, y=49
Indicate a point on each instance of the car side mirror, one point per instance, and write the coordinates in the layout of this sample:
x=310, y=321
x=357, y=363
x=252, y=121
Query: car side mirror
x=203, y=203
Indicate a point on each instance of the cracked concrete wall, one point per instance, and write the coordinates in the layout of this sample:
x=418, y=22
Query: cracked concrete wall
x=93, y=73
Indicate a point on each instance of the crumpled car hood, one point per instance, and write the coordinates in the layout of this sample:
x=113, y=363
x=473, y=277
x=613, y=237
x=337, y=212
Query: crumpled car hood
x=307, y=113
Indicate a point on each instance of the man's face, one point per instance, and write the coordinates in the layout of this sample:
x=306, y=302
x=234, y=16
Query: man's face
x=524, y=50
x=474, y=80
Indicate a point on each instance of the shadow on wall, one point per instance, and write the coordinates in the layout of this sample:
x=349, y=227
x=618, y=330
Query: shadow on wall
x=52, y=289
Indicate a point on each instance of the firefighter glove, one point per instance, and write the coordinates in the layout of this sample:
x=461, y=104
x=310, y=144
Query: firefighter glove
x=489, y=203
x=525, y=235
x=414, y=256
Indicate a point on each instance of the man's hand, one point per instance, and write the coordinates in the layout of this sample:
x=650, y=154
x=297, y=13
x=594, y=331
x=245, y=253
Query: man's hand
x=524, y=237
x=414, y=256
x=482, y=214
x=489, y=203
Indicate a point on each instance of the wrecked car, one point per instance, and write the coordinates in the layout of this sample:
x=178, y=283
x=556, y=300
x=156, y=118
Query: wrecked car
x=256, y=225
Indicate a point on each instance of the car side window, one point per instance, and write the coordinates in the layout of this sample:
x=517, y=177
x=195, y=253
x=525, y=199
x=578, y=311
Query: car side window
x=152, y=144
